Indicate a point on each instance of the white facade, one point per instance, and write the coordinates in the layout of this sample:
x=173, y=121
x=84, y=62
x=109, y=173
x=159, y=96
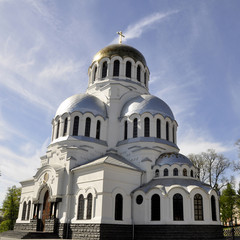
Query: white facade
x=114, y=158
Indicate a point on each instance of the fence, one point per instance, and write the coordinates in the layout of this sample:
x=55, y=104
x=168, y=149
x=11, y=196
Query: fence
x=232, y=233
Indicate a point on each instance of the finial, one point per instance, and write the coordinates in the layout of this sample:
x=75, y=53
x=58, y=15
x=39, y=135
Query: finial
x=120, y=36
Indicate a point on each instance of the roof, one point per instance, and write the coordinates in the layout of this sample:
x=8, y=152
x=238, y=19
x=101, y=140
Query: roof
x=147, y=103
x=111, y=159
x=121, y=50
x=82, y=103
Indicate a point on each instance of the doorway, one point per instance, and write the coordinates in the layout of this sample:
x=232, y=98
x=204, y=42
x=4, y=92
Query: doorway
x=46, y=209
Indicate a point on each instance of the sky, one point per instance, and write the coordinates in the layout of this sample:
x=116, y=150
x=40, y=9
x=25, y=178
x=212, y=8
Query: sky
x=191, y=48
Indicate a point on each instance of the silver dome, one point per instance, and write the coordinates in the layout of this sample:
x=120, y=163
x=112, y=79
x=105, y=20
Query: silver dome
x=82, y=103
x=147, y=103
x=173, y=158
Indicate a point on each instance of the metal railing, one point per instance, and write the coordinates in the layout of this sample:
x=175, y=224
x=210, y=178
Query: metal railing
x=231, y=232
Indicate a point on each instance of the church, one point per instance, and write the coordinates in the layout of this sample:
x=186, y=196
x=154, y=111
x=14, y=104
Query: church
x=113, y=168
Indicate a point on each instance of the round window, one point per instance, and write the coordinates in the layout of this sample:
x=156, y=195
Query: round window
x=139, y=199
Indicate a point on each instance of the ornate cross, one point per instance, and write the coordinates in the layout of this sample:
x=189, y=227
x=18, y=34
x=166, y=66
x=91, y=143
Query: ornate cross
x=120, y=36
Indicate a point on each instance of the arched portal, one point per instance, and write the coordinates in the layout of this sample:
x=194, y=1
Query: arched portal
x=46, y=208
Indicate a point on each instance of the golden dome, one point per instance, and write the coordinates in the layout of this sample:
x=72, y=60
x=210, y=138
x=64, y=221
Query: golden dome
x=121, y=50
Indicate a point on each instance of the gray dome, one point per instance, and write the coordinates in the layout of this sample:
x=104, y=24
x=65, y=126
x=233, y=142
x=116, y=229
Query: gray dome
x=171, y=158
x=82, y=103
x=147, y=103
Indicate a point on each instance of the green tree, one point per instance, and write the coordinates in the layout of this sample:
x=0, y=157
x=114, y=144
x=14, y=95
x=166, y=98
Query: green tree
x=212, y=167
x=10, y=208
x=228, y=203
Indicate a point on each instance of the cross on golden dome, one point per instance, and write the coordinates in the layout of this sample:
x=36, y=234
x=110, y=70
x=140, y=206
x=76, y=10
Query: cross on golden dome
x=120, y=36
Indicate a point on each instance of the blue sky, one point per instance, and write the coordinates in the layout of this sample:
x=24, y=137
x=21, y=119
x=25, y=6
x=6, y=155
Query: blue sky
x=191, y=48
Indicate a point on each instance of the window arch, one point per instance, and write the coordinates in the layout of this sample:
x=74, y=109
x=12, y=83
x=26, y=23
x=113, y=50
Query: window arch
x=80, y=213
x=146, y=127
x=155, y=207
x=118, y=207
x=213, y=206
x=157, y=173
x=158, y=128
x=167, y=131
x=184, y=172
x=75, y=126
x=58, y=126
x=89, y=206
x=94, y=74
x=88, y=127
x=125, y=130
x=128, y=69
x=198, y=207
x=116, y=65
x=98, y=129
x=24, y=210
x=135, y=127
x=28, y=209
x=139, y=73
x=177, y=207
x=104, y=69
x=65, y=126
x=173, y=133
x=165, y=172
x=175, y=172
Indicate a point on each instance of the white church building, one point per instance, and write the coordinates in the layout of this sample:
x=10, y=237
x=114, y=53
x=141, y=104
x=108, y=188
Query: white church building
x=113, y=168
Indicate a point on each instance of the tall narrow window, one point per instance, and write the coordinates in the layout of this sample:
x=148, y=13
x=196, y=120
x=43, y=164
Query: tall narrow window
x=87, y=127
x=89, y=206
x=145, y=79
x=175, y=172
x=157, y=173
x=158, y=129
x=146, y=127
x=58, y=126
x=135, y=127
x=184, y=172
x=104, y=69
x=80, y=212
x=128, y=69
x=125, y=130
x=177, y=207
x=165, y=172
x=139, y=73
x=116, y=68
x=65, y=126
x=191, y=173
x=173, y=134
x=94, y=74
x=155, y=207
x=167, y=131
x=118, y=207
x=28, y=210
x=213, y=206
x=198, y=207
x=98, y=129
x=24, y=210
x=75, y=126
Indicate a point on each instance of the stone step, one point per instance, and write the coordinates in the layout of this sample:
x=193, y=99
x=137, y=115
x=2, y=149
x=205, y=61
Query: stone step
x=28, y=235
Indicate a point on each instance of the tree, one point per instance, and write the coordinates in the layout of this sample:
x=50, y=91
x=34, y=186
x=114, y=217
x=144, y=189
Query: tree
x=228, y=203
x=212, y=167
x=237, y=165
x=10, y=208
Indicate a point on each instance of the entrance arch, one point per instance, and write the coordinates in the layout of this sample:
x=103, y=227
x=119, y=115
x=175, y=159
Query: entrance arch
x=46, y=209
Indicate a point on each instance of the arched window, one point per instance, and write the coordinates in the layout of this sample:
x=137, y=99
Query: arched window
x=167, y=131
x=158, y=128
x=165, y=172
x=146, y=127
x=104, y=69
x=128, y=69
x=24, y=210
x=155, y=210
x=65, y=126
x=125, y=130
x=80, y=212
x=177, y=207
x=135, y=127
x=28, y=210
x=157, y=173
x=175, y=172
x=89, y=206
x=75, y=126
x=191, y=173
x=173, y=133
x=145, y=78
x=139, y=73
x=94, y=74
x=87, y=127
x=116, y=68
x=198, y=207
x=98, y=129
x=213, y=206
x=118, y=207
x=58, y=126
x=184, y=172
